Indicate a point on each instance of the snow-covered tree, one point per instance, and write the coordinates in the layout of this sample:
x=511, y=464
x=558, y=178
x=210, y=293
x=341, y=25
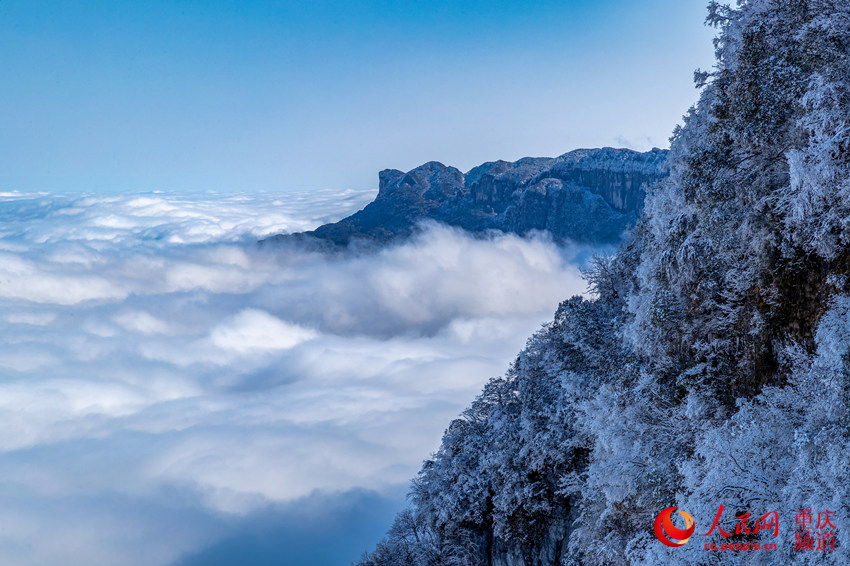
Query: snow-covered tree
x=712, y=366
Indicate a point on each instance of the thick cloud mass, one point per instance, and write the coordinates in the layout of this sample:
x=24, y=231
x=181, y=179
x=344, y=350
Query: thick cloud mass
x=167, y=383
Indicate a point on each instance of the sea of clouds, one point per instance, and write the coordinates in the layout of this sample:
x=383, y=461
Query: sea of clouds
x=171, y=393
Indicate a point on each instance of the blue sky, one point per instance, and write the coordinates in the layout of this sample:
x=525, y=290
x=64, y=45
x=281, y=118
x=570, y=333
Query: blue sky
x=277, y=96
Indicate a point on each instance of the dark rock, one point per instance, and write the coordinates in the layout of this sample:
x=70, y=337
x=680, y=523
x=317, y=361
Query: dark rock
x=587, y=195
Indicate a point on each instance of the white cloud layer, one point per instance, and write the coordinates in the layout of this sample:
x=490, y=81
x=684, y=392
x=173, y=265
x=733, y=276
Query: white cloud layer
x=158, y=364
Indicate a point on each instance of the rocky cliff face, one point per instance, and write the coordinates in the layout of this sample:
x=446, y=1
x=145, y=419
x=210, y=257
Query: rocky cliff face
x=589, y=195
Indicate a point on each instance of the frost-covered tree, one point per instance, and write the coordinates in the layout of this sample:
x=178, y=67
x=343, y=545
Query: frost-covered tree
x=712, y=365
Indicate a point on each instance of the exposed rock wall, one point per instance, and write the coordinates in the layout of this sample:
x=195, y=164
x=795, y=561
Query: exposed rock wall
x=589, y=195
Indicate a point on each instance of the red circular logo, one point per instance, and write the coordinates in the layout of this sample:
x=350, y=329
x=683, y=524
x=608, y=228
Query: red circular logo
x=670, y=534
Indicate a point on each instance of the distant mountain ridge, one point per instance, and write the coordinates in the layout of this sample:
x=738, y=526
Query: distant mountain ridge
x=587, y=195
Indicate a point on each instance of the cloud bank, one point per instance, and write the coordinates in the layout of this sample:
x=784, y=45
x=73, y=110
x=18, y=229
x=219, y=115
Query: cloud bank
x=166, y=385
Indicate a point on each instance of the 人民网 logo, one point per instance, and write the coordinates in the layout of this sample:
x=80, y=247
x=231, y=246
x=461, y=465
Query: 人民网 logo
x=670, y=534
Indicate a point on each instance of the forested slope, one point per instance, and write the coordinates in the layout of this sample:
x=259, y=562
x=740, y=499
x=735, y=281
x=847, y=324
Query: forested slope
x=713, y=367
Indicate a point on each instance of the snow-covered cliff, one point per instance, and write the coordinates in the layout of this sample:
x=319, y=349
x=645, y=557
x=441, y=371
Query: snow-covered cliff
x=712, y=371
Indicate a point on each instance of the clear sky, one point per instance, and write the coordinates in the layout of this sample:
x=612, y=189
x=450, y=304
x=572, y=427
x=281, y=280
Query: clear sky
x=195, y=95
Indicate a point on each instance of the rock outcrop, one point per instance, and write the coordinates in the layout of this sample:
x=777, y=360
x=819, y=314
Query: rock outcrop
x=588, y=195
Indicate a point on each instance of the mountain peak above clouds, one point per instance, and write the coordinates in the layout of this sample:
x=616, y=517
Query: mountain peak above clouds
x=586, y=195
